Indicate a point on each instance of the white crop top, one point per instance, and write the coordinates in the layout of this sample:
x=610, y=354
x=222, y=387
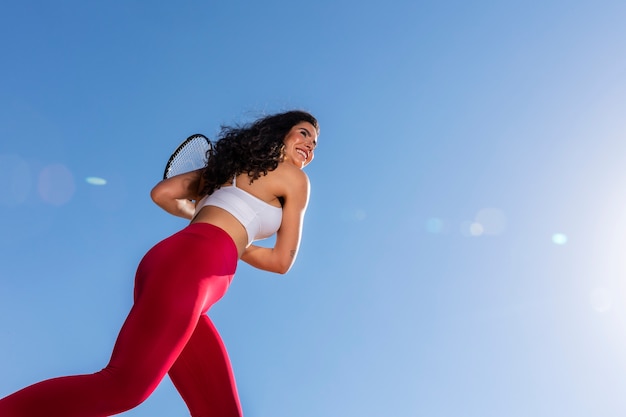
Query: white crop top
x=260, y=219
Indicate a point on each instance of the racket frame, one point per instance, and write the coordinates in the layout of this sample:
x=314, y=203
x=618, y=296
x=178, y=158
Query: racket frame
x=180, y=148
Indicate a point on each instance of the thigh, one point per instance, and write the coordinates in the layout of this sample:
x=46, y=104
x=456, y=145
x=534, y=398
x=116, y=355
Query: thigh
x=177, y=281
x=203, y=375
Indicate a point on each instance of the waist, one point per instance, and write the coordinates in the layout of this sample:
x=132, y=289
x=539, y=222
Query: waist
x=226, y=223
x=213, y=232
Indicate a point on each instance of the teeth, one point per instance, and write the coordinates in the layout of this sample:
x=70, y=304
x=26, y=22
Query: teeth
x=302, y=153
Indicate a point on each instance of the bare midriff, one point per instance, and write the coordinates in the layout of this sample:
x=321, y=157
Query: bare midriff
x=227, y=222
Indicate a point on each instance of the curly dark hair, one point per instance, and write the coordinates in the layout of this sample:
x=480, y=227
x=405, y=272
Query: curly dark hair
x=254, y=148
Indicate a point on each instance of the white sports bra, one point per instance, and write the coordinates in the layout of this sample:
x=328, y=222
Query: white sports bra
x=260, y=219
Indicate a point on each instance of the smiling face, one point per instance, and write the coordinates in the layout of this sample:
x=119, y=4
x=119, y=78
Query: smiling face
x=300, y=143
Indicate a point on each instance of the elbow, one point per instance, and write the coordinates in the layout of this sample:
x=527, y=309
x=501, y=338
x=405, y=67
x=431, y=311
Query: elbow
x=162, y=199
x=156, y=195
x=284, y=261
x=282, y=271
x=159, y=195
x=276, y=267
x=283, y=267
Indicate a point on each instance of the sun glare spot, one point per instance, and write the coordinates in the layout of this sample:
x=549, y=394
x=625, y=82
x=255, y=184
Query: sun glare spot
x=559, y=239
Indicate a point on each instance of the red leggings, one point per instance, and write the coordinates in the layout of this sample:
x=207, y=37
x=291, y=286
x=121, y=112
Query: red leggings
x=166, y=331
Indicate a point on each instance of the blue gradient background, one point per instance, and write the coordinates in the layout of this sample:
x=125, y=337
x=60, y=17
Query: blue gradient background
x=457, y=139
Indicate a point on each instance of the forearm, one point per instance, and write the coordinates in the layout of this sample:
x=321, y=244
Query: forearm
x=268, y=259
x=180, y=207
x=178, y=195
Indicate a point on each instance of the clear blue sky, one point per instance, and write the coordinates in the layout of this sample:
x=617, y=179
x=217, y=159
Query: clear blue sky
x=463, y=252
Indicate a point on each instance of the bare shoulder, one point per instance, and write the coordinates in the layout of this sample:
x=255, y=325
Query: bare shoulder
x=290, y=182
x=292, y=175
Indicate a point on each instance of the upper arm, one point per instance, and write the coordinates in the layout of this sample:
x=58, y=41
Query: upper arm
x=290, y=232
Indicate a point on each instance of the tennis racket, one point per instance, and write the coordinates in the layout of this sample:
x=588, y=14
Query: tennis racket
x=190, y=155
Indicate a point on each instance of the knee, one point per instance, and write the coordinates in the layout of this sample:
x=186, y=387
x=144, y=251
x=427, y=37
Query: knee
x=126, y=398
x=127, y=391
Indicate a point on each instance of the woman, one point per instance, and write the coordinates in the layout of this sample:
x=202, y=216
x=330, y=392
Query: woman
x=252, y=187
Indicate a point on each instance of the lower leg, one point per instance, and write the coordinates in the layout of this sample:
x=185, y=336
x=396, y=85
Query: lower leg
x=140, y=360
x=177, y=281
x=203, y=375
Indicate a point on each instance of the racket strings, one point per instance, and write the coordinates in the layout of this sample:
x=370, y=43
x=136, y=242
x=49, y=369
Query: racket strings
x=190, y=156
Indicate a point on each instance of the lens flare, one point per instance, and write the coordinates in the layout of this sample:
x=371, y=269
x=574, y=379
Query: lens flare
x=56, y=184
x=559, y=239
x=95, y=181
x=434, y=225
x=476, y=229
